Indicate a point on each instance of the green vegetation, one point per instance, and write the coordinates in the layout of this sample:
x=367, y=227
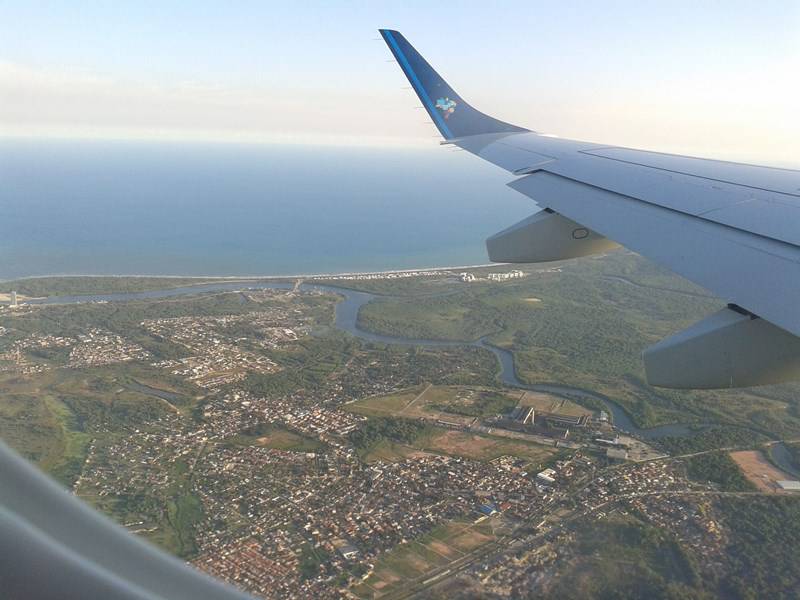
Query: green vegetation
x=306, y=365
x=484, y=404
x=274, y=436
x=623, y=558
x=37, y=287
x=718, y=468
x=183, y=511
x=391, y=404
x=312, y=561
x=388, y=451
x=313, y=361
x=171, y=517
x=379, y=429
x=794, y=453
x=586, y=327
x=710, y=439
x=763, y=547
x=124, y=318
x=29, y=424
x=427, y=400
x=448, y=317
x=51, y=418
x=76, y=443
x=406, y=286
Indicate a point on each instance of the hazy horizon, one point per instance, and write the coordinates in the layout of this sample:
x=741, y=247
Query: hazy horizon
x=683, y=77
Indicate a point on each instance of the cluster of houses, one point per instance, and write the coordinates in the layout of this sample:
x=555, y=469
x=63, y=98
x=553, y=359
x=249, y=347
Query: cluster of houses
x=95, y=347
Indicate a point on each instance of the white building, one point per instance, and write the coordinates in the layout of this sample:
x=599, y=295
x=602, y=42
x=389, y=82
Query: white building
x=516, y=274
x=548, y=476
x=790, y=485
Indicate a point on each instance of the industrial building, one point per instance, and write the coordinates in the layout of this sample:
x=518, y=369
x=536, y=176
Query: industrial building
x=547, y=477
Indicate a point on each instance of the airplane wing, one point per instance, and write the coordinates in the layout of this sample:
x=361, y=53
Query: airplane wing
x=731, y=228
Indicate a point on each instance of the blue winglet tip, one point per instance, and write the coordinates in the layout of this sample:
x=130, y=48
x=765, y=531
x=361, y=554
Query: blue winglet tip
x=450, y=113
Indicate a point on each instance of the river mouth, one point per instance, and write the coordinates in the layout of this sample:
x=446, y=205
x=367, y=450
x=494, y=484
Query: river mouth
x=347, y=320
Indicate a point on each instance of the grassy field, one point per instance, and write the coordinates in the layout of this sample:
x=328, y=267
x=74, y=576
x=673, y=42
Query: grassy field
x=552, y=404
x=420, y=557
x=389, y=451
x=456, y=403
x=279, y=438
x=391, y=404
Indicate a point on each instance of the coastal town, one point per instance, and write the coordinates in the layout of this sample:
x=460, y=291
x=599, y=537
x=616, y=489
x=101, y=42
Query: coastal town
x=388, y=475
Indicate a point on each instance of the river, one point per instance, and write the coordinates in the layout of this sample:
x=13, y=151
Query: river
x=347, y=320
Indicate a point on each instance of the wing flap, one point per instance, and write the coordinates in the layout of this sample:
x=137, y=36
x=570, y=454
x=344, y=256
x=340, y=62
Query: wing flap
x=741, y=267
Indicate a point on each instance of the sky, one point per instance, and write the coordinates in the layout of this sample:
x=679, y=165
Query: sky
x=717, y=79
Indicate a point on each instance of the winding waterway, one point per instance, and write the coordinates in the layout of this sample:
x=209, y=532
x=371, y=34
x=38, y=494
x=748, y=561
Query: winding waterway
x=347, y=320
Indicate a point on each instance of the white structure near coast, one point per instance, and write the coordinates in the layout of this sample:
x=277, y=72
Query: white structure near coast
x=470, y=277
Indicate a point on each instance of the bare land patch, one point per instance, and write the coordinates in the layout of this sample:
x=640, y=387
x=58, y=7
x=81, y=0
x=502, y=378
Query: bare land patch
x=763, y=474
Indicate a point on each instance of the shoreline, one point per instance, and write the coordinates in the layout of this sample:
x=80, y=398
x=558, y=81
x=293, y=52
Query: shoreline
x=234, y=278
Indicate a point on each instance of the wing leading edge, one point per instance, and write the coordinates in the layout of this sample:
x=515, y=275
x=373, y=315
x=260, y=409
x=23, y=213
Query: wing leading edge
x=729, y=227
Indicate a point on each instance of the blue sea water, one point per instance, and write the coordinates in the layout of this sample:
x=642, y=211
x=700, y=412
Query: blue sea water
x=144, y=208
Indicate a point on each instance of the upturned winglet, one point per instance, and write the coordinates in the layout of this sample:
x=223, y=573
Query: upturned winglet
x=454, y=117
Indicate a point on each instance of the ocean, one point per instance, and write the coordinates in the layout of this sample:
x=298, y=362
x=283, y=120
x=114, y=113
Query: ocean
x=147, y=208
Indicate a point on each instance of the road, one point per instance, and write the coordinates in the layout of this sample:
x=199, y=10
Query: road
x=516, y=542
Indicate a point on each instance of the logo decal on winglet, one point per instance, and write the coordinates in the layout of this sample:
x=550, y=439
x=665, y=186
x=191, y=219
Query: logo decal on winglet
x=447, y=106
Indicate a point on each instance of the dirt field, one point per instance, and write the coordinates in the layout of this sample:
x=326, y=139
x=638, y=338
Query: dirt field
x=759, y=470
x=442, y=550
x=461, y=444
x=469, y=540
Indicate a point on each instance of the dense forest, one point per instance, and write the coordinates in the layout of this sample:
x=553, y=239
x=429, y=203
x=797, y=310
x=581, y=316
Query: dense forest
x=762, y=552
x=718, y=468
x=710, y=439
x=376, y=430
